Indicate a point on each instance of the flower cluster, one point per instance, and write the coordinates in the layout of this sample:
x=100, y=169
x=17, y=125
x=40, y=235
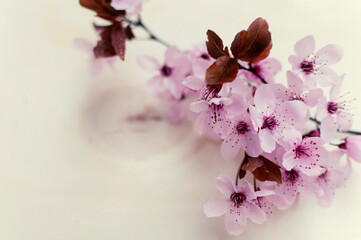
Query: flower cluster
x=238, y=101
x=232, y=96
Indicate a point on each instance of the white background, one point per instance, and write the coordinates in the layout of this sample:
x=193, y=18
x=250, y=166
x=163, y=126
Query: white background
x=73, y=167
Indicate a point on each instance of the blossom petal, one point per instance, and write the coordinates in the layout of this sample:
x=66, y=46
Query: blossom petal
x=329, y=54
x=267, y=142
x=353, y=148
x=216, y=207
x=264, y=99
x=328, y=128
x=170, y=55
x=255, y=213
x=199, y=106
x=148, y=63
x=289, y=160
x=326, y=76
x=344, y=121
x=225, y=185
x=193, y=83
x=230, y=147
x=234, y=223
x=294, y=83
x=155, y=85
x=312, y=97
x=305, y=46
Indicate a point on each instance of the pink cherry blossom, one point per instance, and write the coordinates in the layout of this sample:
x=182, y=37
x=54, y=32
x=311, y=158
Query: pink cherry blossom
x=242, y=136
x=237, y=205
x=170, y=75
x=212, y=115
x=334, y=113
x=199, y=52
x=306, y=154
x=315, y=67
x=132, y=7
x=296, y=91
x=267, y=69
x=352, y=147
x=275, y=122
x=334, y=176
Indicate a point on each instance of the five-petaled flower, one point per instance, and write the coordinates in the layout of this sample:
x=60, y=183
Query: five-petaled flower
x=237, y=205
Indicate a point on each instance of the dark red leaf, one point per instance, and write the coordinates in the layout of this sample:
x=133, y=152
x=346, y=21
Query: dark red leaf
x=254, y=44
x=241, y=173
x=104, y=47
x=268, y=172
x=214, y=45
x=250, y=163
x=223, y=70
x=238, y=43
x=102, y=8
x=118, y=39
x=129, y=33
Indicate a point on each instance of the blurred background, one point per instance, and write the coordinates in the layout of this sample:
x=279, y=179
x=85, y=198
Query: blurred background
x=72, y=165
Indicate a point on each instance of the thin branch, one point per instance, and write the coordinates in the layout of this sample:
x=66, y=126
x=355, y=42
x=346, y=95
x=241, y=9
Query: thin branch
x=252, y=70
x=152, y=36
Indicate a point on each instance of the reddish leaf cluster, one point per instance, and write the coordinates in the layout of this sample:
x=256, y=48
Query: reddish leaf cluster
x=249, y=46
x=261, y=168
x=112, y=37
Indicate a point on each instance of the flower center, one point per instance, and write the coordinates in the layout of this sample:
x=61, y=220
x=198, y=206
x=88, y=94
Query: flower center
x=294, y=97
x=301, y=151
x=216, y=110
x=205, y=56
x=291, y=176
x=166, y=71
x=307, y=66
x=269, y=123
x=332, y=107
x=238, y=198
x=242, y=128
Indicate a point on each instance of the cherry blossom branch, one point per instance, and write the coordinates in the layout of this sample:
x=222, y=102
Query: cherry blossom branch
x=252, y=70
x=349, y=132
x=152, y=36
